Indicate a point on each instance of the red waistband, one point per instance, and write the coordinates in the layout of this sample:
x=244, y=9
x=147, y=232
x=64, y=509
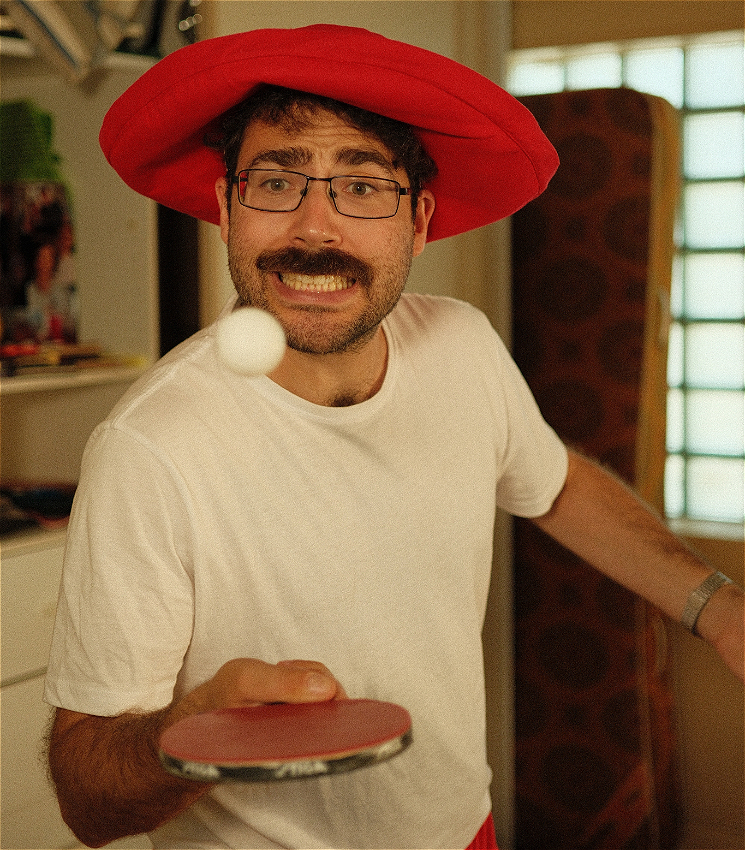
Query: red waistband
x=485, y=838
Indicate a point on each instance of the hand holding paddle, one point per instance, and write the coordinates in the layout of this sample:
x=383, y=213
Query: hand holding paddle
x=249, y=681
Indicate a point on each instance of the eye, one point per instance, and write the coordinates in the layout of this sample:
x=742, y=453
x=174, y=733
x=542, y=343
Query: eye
x=361, y=188
x=275, y=185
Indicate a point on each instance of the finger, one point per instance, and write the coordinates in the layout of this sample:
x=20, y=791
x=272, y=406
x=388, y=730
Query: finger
x=255, y=681
x=314, y=667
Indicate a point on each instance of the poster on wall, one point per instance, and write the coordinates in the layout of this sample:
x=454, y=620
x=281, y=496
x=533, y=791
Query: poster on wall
x=38, y=283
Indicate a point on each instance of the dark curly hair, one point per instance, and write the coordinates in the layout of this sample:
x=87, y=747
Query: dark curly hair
x=293, y=110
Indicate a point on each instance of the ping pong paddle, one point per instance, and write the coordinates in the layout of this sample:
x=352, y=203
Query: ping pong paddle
x=285, y=740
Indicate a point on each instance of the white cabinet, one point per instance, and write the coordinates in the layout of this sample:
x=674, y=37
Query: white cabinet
x=46, y=420
x=32, y=565
x=31, y=569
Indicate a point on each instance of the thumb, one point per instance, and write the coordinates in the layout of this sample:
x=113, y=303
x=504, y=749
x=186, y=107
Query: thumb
x=308, y=681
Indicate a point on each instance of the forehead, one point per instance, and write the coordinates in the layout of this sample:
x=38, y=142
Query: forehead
x=320, y=136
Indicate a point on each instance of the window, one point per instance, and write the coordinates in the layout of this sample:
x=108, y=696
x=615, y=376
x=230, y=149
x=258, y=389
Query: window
x=704, y=77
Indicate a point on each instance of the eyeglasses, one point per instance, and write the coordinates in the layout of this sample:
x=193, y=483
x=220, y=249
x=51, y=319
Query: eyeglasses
x=352, y=195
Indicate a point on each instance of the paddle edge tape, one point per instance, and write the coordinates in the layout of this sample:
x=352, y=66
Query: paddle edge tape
x=282, y=771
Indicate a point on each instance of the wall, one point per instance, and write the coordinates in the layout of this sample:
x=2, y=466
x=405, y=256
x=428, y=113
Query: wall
x=543, y=23
x=710, y=723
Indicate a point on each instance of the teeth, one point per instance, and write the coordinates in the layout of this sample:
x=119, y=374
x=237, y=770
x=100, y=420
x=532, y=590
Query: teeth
x=316, y=283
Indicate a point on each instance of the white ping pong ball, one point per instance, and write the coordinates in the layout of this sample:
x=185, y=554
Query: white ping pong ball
x=250, y=341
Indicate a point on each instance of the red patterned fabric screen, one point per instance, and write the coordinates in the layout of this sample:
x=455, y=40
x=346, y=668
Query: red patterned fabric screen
x=591, y=268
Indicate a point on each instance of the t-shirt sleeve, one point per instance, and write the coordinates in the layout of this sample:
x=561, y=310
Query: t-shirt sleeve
x=126, y=601
x=533, y=460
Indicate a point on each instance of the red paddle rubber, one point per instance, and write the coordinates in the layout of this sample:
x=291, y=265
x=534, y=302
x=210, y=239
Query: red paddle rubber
x=285, y=741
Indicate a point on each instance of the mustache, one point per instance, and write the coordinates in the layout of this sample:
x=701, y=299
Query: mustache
x=325, y=261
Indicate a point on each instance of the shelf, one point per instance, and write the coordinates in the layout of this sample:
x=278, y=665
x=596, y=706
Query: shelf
x=20, y=48
x=90, y=377
x=707, y=530
x=31, y=539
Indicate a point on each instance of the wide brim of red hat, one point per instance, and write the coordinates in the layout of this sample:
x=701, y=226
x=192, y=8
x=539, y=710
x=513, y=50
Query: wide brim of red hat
x=491, y=155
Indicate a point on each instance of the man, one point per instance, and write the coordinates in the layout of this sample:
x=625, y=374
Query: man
x=340, y=510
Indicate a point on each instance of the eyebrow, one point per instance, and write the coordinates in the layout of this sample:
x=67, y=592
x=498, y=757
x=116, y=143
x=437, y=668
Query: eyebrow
x=283, y=157
x=365, y=156
x=295, y=157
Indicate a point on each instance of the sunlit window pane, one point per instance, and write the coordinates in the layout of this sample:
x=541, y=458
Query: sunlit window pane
x=714, y=145
x=657, y=72
x=715, y=75
x=714, y=214
x=715, y=355
x=714, y=286
x=675, y=356
x=601, y=70
x=674, y=484
x=536, y=78
x=675, y=434
x=715, y=488
x=715, y=422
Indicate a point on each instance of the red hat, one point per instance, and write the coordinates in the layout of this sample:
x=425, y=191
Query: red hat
x=491, y=155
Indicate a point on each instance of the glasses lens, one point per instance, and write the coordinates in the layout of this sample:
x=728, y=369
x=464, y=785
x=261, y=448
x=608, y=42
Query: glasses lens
x=274, y=191
x=365, y=197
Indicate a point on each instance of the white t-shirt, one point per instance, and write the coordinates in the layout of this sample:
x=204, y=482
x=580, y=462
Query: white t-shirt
x=220, y=516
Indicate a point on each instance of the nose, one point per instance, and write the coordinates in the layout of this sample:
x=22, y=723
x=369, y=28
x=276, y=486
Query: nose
x=316, y=221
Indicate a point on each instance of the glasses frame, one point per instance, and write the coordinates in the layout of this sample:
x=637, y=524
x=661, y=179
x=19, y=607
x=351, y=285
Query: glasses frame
x=400, y=190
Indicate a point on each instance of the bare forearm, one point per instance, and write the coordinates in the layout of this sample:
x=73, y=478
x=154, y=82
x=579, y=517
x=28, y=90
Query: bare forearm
x=108, y=777
x=601, y=520
x=106, y=769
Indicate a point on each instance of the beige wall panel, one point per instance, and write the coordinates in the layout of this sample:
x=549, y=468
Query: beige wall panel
x=543, y=23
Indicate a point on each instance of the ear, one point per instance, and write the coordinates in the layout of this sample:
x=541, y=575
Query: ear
x=220, y=190
x=425, y=206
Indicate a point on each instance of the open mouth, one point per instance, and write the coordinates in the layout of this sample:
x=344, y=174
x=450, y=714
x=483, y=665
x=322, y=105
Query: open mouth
x=316, y=283
x=325, y=271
